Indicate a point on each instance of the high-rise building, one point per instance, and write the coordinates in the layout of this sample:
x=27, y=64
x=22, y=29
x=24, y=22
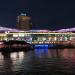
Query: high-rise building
x=23, y=22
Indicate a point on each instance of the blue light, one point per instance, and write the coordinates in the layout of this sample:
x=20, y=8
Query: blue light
x=40, y=52
x=41, y=46
x=51, y=45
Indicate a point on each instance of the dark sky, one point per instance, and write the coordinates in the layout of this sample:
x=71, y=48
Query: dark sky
x=45, y=14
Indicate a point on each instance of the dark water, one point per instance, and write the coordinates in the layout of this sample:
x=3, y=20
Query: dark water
x=39, y=62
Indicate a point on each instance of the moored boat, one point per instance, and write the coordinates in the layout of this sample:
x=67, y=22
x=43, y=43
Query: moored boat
x=15, y=45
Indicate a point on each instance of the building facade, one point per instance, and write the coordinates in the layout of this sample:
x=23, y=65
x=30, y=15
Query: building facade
x=23, y=22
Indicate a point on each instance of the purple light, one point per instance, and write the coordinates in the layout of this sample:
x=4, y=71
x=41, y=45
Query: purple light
x=16, y=30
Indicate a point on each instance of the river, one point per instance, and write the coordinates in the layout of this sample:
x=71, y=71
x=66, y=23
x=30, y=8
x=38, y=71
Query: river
x=38, y=62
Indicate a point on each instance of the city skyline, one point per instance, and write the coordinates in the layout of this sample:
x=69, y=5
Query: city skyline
x=44, y=14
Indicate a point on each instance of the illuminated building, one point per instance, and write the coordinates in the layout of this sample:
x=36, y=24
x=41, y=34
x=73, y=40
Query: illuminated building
x=23, y=22
x=37, y=36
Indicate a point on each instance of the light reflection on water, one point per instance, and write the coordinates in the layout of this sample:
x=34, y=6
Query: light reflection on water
x=39, y=61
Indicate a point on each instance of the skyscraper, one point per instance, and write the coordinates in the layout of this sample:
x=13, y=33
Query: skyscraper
x=23, y=22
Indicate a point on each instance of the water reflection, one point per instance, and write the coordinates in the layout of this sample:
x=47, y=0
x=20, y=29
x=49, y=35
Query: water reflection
x=57, y=60
x=17, y=55
x=9, y=62
x=41, y=52
x=48, y=53
x=68, y=54
x=39, y=61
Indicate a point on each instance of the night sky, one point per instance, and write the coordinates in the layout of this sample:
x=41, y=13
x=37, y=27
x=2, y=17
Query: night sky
x=45, y=14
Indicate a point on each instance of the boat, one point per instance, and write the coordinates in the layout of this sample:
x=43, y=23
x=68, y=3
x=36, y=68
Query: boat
x=15, y=45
